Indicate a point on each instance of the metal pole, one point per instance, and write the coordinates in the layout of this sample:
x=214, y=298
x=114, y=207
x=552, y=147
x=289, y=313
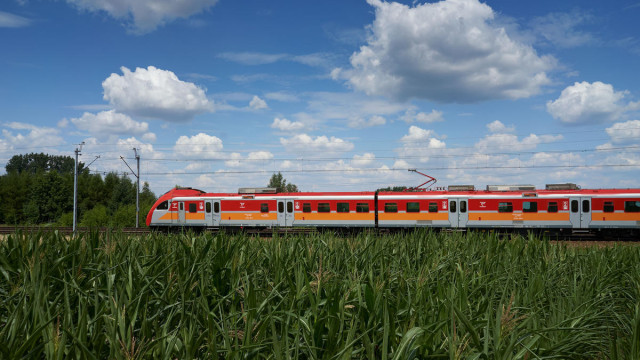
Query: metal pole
x=75, y=187
x=138, y=191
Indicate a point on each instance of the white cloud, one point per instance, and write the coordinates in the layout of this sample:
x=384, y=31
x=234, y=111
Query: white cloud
x=365, y=159
x=260, y=155
x=419, y=135
x=360, y=123
x=411, y=116
x=510, y=142
x=587, y=103
x=449, y=51
x=199, y=146
x=8, y=20
x=625, y=132
x=318, y=145
x=143, y=16
x=281, y=96
x=155, y=93
x=107, y=123
x=28, y=135
x=256, y=103
x=498, y=127
x=286, y=125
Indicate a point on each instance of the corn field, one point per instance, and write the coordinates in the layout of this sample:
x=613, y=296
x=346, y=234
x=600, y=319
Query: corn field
x=420, y=295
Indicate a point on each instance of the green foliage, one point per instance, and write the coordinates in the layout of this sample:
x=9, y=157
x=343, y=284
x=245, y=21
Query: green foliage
x=65, y=220
x=124, y=216
x=95, y=218
x=393, y=188
x=34, y=163
x=280, y=183
x=421, y=295
x=38, y=189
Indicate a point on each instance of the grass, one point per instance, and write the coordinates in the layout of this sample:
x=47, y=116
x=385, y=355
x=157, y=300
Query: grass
x=419, y=295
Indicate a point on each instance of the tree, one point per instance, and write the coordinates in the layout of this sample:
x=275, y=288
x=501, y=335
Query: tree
x=34, y=163
x=280, y=183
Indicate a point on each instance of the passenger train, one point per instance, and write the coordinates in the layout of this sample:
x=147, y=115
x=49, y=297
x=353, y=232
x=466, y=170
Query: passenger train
x=559, y=207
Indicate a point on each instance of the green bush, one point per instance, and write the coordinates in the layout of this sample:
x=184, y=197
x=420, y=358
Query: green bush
x=96, y=217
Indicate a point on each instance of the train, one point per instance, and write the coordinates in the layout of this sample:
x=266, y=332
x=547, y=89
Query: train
x=564, y=208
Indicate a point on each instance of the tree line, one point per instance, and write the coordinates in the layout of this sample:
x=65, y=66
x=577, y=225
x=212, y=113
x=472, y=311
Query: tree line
x=38, y=189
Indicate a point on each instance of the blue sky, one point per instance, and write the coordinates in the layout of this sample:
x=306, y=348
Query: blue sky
x=337, y=95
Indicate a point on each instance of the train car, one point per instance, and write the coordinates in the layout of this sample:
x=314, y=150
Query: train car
x=557, y=207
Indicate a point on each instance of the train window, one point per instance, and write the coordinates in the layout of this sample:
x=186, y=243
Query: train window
x=181, y=206
x=505, y=207
x=280, y=207
x=608, y=206
x=632, y=206
x=452, y=206
x=586, y=204
x=552, y=207
x=264, y=207
x=413, y=207
x=391, y=207
x=163, y=205
x=306, y=207
x=289, y=207
x=343, y=207
x=216, y=207
x=208, y=207
x=193, y=208
x=433, y=207
x=463, y=206
x=574, y=206
x=324, y=208
x=529, y=206
x=362, y=208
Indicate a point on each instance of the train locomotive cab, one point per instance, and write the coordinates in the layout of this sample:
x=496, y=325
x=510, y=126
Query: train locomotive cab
x=166, y=212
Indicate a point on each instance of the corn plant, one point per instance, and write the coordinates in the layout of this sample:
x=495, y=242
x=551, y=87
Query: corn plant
x=422, y=295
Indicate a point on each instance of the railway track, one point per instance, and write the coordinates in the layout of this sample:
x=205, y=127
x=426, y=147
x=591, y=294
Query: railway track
x=68, y=229
x=580, y=237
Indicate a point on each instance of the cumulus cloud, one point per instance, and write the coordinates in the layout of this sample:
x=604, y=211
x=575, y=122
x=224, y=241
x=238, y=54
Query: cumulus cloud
x=106, y=123
x=421, y=144
x=286, y=125
x=625, y=132
x=155, y=93
x=510, y=142
x=498, y=127
x=199, y=146
x=28, y=135
x=365, y=159
x=449, y=51
x=588, y=103
x=319, y=144
x=143, y=16
x=256, y=103
x=360, y=123
x=427, y=118
x=9, y=20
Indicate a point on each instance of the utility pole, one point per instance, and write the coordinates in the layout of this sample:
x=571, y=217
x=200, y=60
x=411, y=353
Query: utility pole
x=137, y=175
x=75, y=187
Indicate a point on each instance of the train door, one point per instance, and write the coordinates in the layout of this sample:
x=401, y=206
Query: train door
x=212, y=212
x=181, y=216
x=463, y=215
x=458, y=212
x=285, y=212
x=580, y=208
x=453, y=211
